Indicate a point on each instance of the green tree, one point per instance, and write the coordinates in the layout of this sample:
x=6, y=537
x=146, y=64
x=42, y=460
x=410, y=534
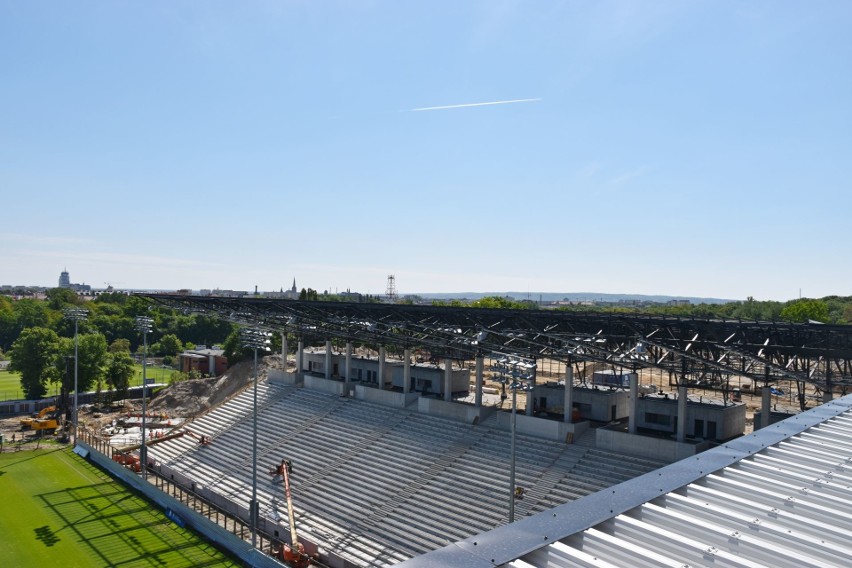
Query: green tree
x=120, y=346
x=58, y=298
x=119, y=371
x=92, y=356
x=805, y=309
x=500, y=302
x=169, y=344
x=33, y=354
x=309, y=294
x=233, y=348
x=31, y=313
x=8, y=323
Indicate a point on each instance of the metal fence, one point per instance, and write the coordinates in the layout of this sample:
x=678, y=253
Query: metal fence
x=234, y=524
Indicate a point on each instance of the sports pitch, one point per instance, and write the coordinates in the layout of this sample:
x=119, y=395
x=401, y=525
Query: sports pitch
x=59, y=510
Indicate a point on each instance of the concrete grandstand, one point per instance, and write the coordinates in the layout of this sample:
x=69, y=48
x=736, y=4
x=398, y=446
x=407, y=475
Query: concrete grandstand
x=387, y=474
x=375, y=485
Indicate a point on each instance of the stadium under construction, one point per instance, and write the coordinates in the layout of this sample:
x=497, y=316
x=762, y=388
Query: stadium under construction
x=394, y=462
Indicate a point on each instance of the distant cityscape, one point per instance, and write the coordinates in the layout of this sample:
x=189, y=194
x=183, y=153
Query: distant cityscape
x=542, y=299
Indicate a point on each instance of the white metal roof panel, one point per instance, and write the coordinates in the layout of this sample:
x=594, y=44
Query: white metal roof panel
x=780, y=497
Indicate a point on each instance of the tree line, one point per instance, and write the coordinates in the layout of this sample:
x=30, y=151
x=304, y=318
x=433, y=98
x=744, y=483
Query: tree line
x=38, y=339
x=831, y=309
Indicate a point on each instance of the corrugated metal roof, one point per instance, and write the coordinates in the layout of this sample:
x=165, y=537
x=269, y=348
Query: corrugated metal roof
x=780, y=497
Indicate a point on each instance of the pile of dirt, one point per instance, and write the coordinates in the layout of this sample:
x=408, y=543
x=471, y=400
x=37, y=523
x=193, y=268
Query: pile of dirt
x=193, y=397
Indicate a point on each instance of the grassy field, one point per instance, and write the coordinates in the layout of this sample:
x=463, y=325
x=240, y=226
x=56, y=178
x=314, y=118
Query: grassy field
x=10, y=386
x=159, y=375
x=10, y=383
x=58, y=510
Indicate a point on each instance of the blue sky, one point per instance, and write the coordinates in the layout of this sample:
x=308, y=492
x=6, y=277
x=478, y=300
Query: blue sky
x=682, y=148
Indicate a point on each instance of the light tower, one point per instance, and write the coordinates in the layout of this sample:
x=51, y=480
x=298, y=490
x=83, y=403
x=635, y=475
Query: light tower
x=254, y=339
x=78, y=315
x=391, y=289
x=144, y=324
x=519, y=374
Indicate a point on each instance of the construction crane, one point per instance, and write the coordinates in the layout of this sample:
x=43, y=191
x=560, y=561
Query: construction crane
x=294, y=553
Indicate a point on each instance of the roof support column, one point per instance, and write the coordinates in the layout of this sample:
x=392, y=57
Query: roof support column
x=300, y=352
x=448, y=379
x=348, y=377
x=765, y=400
x=406, y=371
x=477, y=394
x=284, y=349
x=382, y=355
x=828, y=393
x=634, y=403
x=765, y=405
x=681, y=411
x=568, y=400
x=328, y=358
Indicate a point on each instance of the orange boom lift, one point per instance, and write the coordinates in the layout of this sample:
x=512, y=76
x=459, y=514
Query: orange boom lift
x=294, y=553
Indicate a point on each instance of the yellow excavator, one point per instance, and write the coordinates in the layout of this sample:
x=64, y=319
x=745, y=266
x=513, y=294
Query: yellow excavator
x=47, y=424
x=27, y=423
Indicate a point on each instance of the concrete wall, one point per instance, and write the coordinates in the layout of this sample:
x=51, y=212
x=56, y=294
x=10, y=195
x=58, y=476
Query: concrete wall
x=649, y=447
x=593, y=403
x=314, y=362
x=430, y=379
x=773, y=417
x=729, y=420
x=206, y=528
x=612, y=378
x=384, y=397
x=282, y=377
x=541, y=427
x=325, y=385
x=457, y=411
x=365, y=371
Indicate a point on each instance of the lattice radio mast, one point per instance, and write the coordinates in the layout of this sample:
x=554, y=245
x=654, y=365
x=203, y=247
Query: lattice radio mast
x=391, y=289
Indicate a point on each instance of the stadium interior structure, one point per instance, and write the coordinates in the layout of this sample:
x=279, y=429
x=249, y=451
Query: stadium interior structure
x=386, y=474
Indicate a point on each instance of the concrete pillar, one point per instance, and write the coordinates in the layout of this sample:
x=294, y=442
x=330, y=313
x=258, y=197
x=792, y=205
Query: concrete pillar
x=634, y=403
x=348, y=366
x=406, y=372
x=448, y=379
x=828, y=393
x=381, y=368
x=765, y=405
x=300, y=351
x=327, y=358
x=681, y=412
x=284, y=350
x=568, y=401
x=211, y=365
x=477, y=394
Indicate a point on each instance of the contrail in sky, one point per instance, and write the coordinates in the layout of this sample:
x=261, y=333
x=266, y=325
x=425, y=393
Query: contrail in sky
x=475, y=104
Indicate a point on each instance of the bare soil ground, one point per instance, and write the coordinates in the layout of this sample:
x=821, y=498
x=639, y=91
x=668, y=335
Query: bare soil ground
x=185, y=399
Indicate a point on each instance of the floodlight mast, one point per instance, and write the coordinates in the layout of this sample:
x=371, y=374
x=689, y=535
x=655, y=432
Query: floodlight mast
x=254, y=339
x=145, y=325
x=78, y=315
x=521, y=372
